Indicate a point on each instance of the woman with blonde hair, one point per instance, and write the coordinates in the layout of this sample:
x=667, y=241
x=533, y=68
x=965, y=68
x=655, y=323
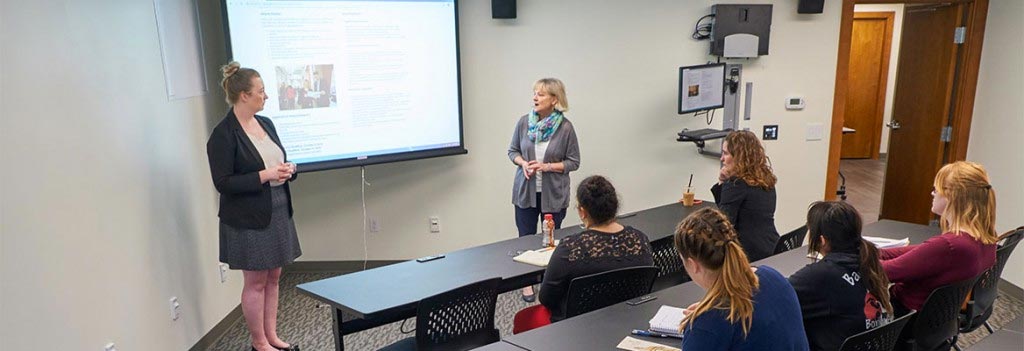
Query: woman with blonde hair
x=744, y=308
x=250, y=171
x=966, y=203
x=746, y=193
x=544, y=149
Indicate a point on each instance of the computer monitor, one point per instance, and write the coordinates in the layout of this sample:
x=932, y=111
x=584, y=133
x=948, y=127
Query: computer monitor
x=701, y=87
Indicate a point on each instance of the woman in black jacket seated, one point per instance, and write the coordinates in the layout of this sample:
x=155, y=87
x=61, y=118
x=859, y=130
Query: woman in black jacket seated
x=605, y=245
x=746, y=193
x=846, y=292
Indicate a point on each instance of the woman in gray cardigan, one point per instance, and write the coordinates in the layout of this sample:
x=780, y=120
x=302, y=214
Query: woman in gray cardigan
x=545, y=149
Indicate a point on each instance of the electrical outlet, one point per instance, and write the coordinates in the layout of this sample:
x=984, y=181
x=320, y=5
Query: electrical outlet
x=223, y=268
x=109, y=347
x=175, y=308
x=374, y=225
x=435, y=224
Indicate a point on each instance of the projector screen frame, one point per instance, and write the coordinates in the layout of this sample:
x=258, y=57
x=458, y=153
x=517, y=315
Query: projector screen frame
x=384, y=158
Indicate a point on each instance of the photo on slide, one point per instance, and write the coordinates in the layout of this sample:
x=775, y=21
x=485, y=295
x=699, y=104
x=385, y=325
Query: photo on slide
x=305, y=86
x=693, y=90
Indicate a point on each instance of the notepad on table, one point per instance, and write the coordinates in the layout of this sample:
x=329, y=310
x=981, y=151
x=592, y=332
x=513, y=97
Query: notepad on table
x=885, y=243
x=634, y=344
x=667, y=320
x=538, y=258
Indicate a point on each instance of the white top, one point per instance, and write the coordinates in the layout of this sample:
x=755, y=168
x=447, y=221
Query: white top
x=270, y=152
x=539, y=148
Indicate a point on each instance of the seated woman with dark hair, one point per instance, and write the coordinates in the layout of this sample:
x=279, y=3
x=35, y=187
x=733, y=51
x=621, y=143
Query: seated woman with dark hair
x=846, y=292
x=605, y=245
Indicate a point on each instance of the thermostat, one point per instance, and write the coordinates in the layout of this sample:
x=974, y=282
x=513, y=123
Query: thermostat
x=794, y=103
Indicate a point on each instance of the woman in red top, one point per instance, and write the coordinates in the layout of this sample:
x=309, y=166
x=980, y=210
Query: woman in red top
x=964, y=198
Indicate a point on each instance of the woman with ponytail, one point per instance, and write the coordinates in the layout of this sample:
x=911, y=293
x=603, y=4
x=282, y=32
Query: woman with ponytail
x=744, y=308
x=846, y=292
x=605, y=245
x=966, y=203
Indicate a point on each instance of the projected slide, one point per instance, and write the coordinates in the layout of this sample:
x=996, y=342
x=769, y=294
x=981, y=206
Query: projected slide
x=354, y=82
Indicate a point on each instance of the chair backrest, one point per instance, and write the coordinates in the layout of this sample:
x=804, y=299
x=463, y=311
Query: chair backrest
x=791, y=240
x=936, y=322
x=882, y=338
x=458, y=319
x=666, y=258
x=591, y=292
x=984, y=293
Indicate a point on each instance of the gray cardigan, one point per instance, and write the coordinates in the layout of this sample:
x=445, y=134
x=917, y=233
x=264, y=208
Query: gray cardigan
x=562, y=147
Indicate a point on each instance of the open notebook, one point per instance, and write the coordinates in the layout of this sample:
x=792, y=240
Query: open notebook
x=538, y=257
x=667, y=320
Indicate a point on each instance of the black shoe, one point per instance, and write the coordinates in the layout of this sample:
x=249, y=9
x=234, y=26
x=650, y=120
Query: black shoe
x=530, y=298
x=293, y=347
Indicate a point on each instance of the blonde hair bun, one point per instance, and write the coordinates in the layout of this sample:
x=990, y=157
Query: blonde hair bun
x=230, y=68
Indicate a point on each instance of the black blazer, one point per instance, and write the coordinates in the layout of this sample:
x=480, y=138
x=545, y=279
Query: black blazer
x=235, y=165
x=752, y=212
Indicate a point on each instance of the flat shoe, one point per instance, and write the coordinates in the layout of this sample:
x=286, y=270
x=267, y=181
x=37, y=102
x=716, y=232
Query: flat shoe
x=294, y=347
x=530, y=298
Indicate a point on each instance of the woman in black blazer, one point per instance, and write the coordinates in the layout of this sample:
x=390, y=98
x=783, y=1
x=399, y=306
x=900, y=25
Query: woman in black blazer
x=257, y=234
x=746, y=193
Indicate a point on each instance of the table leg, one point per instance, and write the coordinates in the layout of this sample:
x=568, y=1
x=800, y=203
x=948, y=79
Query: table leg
x=339, y=337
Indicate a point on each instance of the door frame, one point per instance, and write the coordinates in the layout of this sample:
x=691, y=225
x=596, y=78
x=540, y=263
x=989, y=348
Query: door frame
x=883, y=76
x=962, y=105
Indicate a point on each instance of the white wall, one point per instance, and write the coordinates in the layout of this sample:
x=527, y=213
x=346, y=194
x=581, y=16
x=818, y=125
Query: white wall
x=999, y=119
x=894, y=55
x=108, y=209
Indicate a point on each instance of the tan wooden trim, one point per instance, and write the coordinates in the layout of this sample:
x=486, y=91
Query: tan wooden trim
x=839, y=100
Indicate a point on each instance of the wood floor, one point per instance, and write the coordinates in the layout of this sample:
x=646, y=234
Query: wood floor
x=864, y=185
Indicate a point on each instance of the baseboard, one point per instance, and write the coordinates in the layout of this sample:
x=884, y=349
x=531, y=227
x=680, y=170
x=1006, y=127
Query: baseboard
x=1010, y=289
x=334, y=266
x=303, y=266
x=218, y=330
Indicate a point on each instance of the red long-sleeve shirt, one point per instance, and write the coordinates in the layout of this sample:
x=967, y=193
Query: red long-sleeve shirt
x=916, y=270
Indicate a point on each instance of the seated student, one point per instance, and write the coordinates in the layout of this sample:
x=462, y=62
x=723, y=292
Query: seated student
x=605, y=245
x=745, y=308
x=846, y=292
x=746, y=193
x=966, y=202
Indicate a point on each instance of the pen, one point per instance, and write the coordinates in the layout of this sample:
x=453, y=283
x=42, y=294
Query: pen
x=651, y=334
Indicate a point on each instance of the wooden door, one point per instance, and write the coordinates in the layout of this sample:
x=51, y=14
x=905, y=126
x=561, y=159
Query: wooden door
x=869, y=71
x=921, y=108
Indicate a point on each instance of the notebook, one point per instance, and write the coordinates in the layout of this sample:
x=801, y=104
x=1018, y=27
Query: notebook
x=667, y=320
x=885, y=243
x=538, y=257
x=634, y=344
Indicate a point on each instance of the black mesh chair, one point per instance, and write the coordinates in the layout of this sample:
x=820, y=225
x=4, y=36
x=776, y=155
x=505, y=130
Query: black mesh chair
x=879, y=339
x=983, y=296
x=459, y=319
x=595, y=291
x=791, y=240
x=935, y=325
x=666, y=258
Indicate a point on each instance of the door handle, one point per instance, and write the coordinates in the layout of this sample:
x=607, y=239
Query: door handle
x=894, y=124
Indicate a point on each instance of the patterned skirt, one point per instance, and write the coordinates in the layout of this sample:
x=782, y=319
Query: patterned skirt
x=261, y=249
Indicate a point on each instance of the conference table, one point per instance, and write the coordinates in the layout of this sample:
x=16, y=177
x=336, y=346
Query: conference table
x=603, y=329
x=375, y=297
